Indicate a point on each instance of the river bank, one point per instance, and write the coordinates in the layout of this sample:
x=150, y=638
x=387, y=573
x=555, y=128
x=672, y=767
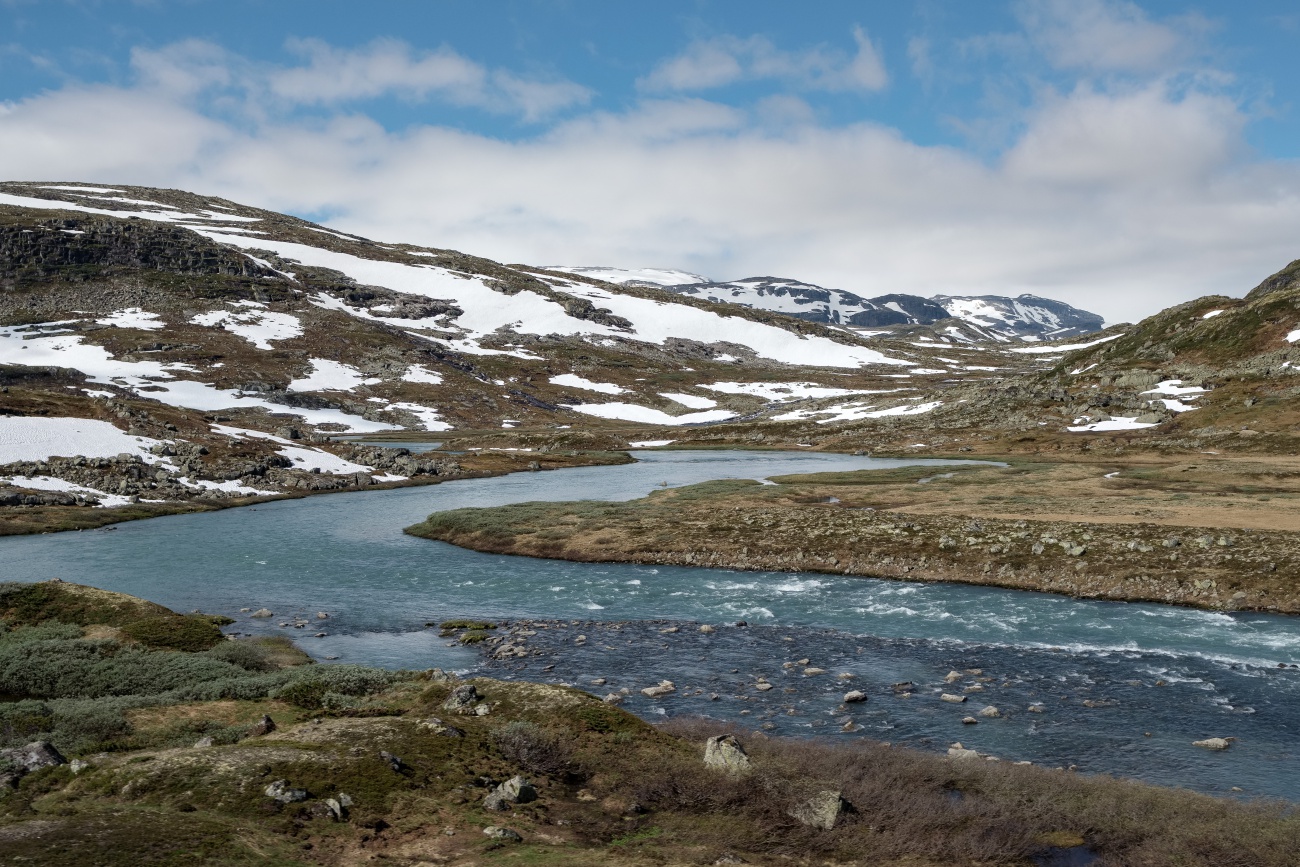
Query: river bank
x=248, y=756
x=17, y=520
x=1170, y=532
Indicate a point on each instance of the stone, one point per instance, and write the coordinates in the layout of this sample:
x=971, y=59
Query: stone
x=823, y=810
x=203, y=742
x=321, y=615
x=1214, y=743
x=482, y=709
x=32, y=757
x=1036, y=708
x=990, y=712
x=854, y=695
x=957, y=751
x=952, y=677
x=813, y=671
x=78, y=765
x=506, y=834
x=281, y=791
x=263, y=612
x=762, y=686
x=725, y=753
x=438, y=727
x=462, y=699
x=264, y=726
x=955, y=699
x=515, y=790
x=663, y=688
x=613, y=698
x=391, y=760
x=706, y=629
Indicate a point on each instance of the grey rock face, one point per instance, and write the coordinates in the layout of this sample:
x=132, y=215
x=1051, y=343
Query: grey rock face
x=281, y=791
x=823, y=810
x=515, y=790
x=725, y=753
x=463, y=699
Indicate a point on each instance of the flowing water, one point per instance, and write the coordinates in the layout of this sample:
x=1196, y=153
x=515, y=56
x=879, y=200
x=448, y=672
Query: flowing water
x=1124, y=688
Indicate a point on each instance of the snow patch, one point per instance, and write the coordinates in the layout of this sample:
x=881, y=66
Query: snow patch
x=36, y=439
x=329, y=375
x=572, y=380
x=690, y=400
x=133, y=317
x=1117, y=423
x=1066, y=347
x=253, y=323
x=49, y=483
x=646, y=415
x=420, y=373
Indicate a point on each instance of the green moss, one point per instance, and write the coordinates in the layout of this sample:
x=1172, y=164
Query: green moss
x=72, y=603
x=450, y=625
x=189, y=632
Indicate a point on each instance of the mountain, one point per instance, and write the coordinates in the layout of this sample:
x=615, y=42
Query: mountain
x=979, y=318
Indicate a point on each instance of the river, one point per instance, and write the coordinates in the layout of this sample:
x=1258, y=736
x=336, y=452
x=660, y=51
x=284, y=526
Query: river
x=1154, y=677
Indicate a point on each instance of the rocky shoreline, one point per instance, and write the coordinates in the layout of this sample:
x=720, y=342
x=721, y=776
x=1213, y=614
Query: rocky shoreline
x=718, y=526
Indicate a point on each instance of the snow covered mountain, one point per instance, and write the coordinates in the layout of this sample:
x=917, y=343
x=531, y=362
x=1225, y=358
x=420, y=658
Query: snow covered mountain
x=987, y=317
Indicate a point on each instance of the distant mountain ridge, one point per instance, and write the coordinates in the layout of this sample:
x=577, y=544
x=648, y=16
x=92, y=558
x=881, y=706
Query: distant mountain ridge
x=986, y=317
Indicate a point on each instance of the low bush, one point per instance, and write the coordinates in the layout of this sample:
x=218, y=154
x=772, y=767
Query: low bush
x=537, y=750
x=190, y=633
x=245, y=654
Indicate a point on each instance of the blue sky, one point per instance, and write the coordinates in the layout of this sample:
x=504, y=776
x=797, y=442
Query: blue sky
x=1117, y=155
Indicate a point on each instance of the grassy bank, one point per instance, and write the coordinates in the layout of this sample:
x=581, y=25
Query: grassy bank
x=1218, y=533
x=610, y=788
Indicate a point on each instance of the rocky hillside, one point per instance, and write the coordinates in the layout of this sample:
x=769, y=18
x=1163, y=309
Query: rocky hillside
x=985, y=318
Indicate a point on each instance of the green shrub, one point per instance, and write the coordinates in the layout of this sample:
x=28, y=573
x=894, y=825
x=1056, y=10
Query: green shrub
x=190, y=632
x=245, y=654
x=21, y=721
x=535, y=749
x=309, y=686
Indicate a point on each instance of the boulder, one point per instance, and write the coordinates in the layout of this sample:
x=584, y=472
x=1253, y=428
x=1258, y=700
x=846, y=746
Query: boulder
x=823, y=810
x=855, y=695
x=506, y=834
x=462, y=699
x=515, y=790
x=957, y=751
x=391, y=760
x=725, y=753
x=955, y=699
x=1214, y=743
x=32, y=757
x=281, y=791
x=664, y=687
x=263, y=612
x=264, y=726
x=990, y=712
x=438, y=727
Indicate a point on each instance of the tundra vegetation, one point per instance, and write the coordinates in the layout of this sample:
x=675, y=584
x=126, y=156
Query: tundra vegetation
x=201, y=749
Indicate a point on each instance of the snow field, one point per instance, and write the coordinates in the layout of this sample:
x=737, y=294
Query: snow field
x=572, y=380
x=646, y=415
x=331, y=376
x=37, y=439
x=254, y=323
x=49, y=483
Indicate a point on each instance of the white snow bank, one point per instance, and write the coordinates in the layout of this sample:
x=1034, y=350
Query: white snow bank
x=1068, y=347
x=329, y=375
x=782, y=391
x=658, y=276
x=572, y=380
x=303, y=458
x=150, y=379
x=419, y=373
x=691, y=400
x=253, y=323
x=36, y=439
x=646, y=415
x=427, y=415
x=1293, y=336
x=49, y=483
x=1175, y=388
x=1112, y=424
x=133, y=317
x=1211, y=314
x=856, y=412
x=650, y=444
x=230, y=487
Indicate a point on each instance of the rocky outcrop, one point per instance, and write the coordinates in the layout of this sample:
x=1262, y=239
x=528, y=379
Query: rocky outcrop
x=823, y=810
x=725, y=753
x=515, y=790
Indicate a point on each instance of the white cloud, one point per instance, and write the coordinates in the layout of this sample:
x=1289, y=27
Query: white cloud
x=1121, y=202
x=726, y=60
x=1107, y=35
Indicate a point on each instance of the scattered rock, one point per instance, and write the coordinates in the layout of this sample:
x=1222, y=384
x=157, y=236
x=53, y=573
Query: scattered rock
x=281, y=791
x=264, y=726
x=706, y=629
x=203, y=742
x=664, y=688
x=813, y=671
x=823, y=810
x=391, y=760
x=507, y=834
x=952, y=677
x=439, y=727
x=263, y=612
x=762, y=686
x=969, y=721
x=1036, y=708
x=725, y=753
x=855, y=695
x=990, y=712
x=20, y=761
x=957, y=751
x=1214, y=743
x=321, y=615
x=955, y=699
x=515, y=790
x=462, y=699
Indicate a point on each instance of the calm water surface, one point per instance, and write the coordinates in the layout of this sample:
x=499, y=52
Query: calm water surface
x=345, y=554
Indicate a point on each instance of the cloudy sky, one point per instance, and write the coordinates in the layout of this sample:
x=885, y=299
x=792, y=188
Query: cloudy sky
x=1120, y=156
